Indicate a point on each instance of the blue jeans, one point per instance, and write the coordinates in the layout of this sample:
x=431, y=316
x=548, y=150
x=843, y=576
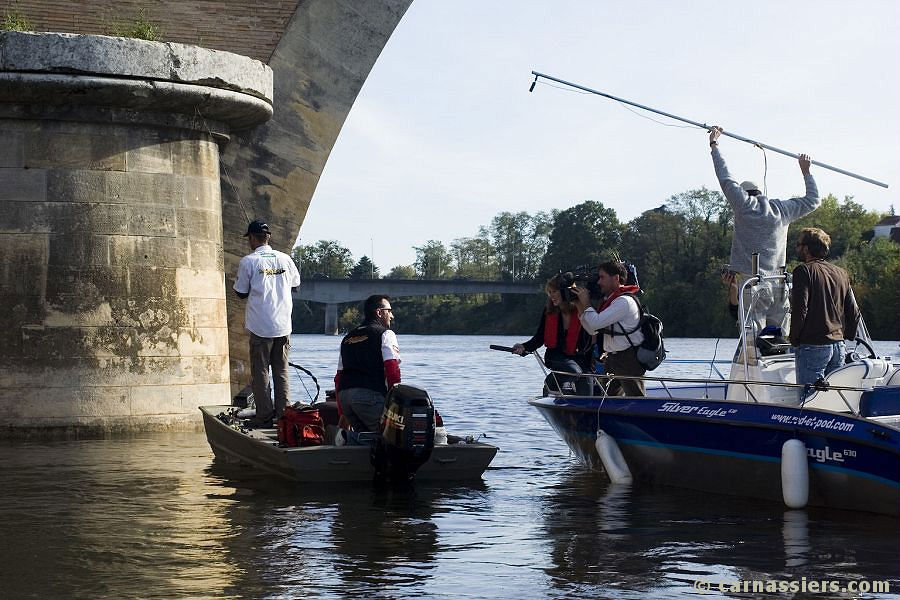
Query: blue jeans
x=814, y=362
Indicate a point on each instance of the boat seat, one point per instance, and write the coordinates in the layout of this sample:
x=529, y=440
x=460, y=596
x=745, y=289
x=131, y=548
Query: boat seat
x=868, y=373
x=880, y=402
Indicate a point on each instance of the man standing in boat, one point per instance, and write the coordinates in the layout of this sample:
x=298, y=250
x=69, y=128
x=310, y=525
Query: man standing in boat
x=368, y=366
x=266, y=278
x=823, y=310
x=760, y=226
x=617, y=318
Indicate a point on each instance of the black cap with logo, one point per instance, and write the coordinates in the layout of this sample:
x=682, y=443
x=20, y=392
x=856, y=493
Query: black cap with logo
x=257, y=227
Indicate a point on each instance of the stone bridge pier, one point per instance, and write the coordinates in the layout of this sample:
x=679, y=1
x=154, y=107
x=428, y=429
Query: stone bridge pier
x=111, y=269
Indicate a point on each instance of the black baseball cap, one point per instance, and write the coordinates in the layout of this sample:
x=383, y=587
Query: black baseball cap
x=257, y=227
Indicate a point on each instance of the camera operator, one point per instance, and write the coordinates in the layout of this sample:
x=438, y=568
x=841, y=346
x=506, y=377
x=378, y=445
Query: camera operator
x=618, y=314
x=568, y=344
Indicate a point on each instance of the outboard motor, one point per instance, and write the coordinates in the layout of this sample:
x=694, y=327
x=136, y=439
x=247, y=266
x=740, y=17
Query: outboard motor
x=407, y=434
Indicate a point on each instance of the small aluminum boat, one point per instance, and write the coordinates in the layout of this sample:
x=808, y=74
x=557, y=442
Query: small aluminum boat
x=459, y=459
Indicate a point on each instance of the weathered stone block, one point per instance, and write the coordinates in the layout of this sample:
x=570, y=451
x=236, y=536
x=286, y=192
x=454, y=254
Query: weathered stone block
x=206, y=255
x=200, y=225
x=79, y=250
x=147, y=153
x=194, y=283
x=204, y=312
x=198, y=157
x=75, y=185
x=209, y=369
x=88, y=219
x=89, y=315
x=212, y=394
x=12, y=150
x=202, y=193
x=85, y=285
x=75, y=151
x=61, y=401
x=17, y=312
x=22, y=279
x=148, y=251
x=79, y=185
x=203, y=341
x=156, y=399
x=149, y=220
x=61, y=343
x=145, y=188
x=148, y=281
x=23, y=185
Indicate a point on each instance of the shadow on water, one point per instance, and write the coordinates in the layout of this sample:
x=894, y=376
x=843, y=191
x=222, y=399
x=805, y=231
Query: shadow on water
x=660, y=540
x=348, y=538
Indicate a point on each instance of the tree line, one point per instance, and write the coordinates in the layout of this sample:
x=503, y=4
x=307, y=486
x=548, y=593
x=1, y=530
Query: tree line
x=678, y=248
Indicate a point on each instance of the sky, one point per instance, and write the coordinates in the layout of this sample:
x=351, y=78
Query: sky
x=444, y=133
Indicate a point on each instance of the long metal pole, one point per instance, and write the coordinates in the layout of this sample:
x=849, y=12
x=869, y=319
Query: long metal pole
x=704, y=126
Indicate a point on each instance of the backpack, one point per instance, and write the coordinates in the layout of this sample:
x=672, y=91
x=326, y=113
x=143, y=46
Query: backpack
x=301, y=426
x=652, y=351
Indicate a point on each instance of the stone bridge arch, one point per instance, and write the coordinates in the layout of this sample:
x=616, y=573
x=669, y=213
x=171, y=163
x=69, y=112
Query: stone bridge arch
x=320, y=53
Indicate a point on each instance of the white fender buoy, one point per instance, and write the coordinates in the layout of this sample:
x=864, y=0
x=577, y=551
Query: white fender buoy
x=612, y=459
x=794, y=474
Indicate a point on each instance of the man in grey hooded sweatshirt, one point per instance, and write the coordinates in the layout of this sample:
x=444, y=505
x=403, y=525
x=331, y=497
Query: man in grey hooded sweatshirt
x=761, y=225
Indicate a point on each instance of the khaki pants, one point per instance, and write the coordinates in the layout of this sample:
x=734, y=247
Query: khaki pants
x=266, y=352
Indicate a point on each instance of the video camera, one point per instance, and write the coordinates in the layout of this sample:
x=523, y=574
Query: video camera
x=568, y=280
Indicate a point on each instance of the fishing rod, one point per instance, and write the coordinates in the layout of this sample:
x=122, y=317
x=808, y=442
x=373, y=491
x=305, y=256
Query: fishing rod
x=702, y=126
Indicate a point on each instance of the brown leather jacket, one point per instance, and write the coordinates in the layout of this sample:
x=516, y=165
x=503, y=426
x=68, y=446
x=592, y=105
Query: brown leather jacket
x=823, y=309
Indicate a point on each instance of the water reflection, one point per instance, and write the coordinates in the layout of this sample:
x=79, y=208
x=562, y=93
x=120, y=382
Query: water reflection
x=154, y=516
x=348, y=538
x=661, y=540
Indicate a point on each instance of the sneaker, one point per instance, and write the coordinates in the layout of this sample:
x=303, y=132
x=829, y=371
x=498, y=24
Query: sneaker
x=340, y=438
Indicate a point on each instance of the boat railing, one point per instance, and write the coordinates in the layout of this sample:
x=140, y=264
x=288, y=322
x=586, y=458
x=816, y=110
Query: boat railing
x=602, y=381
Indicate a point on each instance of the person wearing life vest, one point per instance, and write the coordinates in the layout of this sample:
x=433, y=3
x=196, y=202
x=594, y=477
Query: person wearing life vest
x=368, y=366
x=618, y=314
x=568, y=344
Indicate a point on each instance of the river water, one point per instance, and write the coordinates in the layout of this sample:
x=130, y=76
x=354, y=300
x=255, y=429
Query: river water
x=153, y=516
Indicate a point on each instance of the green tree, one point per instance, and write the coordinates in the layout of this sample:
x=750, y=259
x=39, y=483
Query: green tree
x=364, y=269
x=581, y=235
x=474, y=258
x=846, y=222
x=875, y=271
x=433, y=261
x=326, y=258
x=349, y=319
x=402, y=272
x=678, y=249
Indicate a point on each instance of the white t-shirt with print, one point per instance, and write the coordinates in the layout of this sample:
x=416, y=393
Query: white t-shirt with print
x=268, y=276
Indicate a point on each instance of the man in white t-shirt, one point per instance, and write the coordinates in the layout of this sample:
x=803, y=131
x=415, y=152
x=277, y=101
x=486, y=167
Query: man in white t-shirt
x=266, y=278
x=617, y=319
x=368, y=365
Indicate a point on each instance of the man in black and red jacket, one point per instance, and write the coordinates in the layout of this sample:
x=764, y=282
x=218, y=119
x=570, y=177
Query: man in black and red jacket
x=369, y=365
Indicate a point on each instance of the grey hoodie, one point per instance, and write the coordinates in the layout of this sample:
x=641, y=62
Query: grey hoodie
x=760, y=223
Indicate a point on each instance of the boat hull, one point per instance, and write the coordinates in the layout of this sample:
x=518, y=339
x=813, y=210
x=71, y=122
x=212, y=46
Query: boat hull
x=735, y=447
x=259, y=449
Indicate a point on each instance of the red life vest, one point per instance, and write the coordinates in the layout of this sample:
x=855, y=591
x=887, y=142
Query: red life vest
x=551, y=327
x=624, y=289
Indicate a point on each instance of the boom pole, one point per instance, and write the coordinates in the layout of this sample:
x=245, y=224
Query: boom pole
x=703, y=126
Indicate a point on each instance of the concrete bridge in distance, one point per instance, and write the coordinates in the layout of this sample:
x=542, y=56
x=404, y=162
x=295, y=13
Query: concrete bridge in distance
x=332, y=292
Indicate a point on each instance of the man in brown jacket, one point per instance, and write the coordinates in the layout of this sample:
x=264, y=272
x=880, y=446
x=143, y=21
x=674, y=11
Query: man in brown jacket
x=823, y=310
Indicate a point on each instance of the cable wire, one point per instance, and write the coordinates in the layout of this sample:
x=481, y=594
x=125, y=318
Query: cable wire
x=222, y=164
